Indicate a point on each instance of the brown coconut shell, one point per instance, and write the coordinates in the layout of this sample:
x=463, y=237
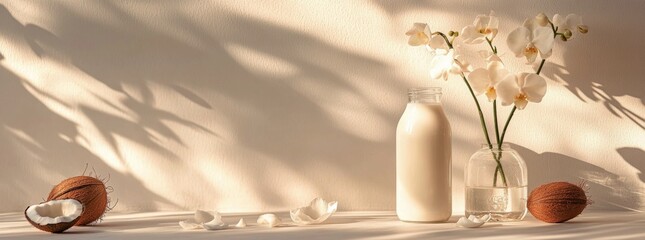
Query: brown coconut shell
x=53, y=228
x=87, y=190
x=557, y=202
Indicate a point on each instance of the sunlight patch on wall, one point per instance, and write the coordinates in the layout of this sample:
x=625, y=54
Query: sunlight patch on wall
x=261, y=63
x=147, y=166
x=101, y=147
x=347, y=109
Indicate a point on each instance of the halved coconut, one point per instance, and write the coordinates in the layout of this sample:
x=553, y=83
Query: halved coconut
x=54, y=216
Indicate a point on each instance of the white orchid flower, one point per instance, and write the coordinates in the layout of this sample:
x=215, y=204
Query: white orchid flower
x=569, y=25
x=521, y=88
x=442, y=65
x=485, y=80
x=529, y=39
x=542, y=19
x=484, y=26
x=461, y=65
x=419, y=34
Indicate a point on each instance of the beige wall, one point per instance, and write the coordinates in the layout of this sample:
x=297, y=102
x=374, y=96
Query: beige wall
x=263, y=105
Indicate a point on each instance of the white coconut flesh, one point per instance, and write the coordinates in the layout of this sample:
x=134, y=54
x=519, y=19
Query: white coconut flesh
x=55, y=211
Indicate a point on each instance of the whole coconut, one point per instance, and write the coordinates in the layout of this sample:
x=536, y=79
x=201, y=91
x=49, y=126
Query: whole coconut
x=87, y=190
x=557, y=202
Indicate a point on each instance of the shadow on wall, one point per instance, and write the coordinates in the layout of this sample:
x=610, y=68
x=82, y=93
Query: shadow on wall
x=129, y=57
x=612, y=189
x=587, y=75
x=50, y=143
x=636, y=158
x=239, y=108
x=35, y=135
x=600, y=79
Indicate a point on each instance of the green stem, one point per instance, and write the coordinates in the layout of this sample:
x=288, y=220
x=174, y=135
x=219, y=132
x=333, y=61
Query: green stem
x=499, y=170
x=496, y=124
x=501, y=138
x=540, y=68
x=498, y=157
x=481, y=115
x=496, y=173
x=485, y=129
x=555, y=29
x=444, y=38
x=479, y=109
x=490, y=43
x=510, y=116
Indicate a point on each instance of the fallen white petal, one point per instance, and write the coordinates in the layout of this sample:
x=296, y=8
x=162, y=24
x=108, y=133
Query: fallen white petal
x=241, y=223
x=317, y=212
x=203, y=216
x=199, y=219
x=472, y=221
x=269, y=220
x=189, y=224
x=216, y=224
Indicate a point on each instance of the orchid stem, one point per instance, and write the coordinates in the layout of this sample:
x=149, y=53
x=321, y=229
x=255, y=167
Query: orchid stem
x=540, y=68
x=479, y=109
x=444, y=38
x=510, y=116
x=490, y=43
x=496, y=124
x=498, y=157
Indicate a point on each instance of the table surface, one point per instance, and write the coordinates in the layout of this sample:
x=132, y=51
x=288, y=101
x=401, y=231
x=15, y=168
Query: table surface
x=343, y=225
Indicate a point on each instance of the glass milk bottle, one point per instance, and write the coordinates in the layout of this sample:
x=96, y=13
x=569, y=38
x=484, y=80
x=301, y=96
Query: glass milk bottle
x=423, y=159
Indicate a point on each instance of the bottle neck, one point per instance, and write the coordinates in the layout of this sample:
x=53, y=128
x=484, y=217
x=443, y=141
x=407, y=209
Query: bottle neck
x=424, y=95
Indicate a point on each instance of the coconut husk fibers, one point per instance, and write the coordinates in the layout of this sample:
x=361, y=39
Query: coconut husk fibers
x=87, y=190
x=557, y=202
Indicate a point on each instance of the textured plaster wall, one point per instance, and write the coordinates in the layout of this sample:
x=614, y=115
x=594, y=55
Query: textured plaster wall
x=263, y=105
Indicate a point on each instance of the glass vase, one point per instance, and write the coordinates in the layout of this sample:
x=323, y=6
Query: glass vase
x=496, y=184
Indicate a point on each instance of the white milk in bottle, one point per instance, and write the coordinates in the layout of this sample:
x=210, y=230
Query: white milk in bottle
x=423, y=159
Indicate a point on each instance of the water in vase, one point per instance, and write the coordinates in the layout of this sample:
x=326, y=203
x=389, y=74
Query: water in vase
x=503, y=203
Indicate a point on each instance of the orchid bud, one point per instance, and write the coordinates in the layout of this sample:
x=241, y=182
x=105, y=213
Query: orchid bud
x=567, y=33
x=542, y=19
x=583, y=28
x=453, y=34
x=563, y=38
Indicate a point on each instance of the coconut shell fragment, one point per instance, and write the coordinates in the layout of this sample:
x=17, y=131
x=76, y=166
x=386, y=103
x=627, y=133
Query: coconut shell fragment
x=54, y=216
x=557, y=202
x=89, y=191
